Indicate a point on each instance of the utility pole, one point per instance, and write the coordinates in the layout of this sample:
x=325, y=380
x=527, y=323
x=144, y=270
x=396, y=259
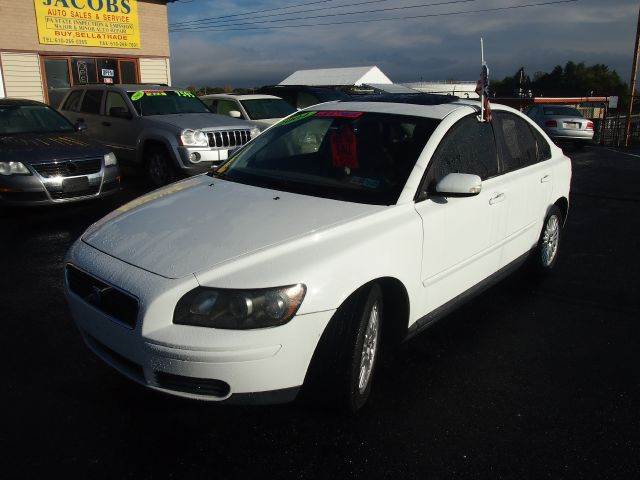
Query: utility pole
x=634, y=72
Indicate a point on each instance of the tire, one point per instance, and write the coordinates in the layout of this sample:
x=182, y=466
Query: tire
x=159, y=168
x=344, y=363
x=548, y=249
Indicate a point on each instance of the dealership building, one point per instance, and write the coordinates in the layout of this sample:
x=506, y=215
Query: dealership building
x=47, y=46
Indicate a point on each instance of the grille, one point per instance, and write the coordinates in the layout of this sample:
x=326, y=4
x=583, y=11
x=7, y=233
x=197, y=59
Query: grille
x=60, y=195
x=198, y=386
x=69, y=168
x=106, y=298
x=229, y=139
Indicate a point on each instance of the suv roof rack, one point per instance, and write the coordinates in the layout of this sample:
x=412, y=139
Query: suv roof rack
x=411, y=98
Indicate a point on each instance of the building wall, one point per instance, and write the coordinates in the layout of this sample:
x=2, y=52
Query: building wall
x=19, y=31
x=22, y=77
x=155, y=70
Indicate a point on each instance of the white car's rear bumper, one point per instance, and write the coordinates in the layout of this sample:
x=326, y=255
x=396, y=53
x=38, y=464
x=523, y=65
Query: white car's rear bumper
x=263, y=366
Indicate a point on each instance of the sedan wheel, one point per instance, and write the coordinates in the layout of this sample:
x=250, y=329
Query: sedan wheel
x=369, y=349
x=550, y=240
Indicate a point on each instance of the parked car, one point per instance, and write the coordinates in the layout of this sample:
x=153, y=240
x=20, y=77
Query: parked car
x=342, y=228
x=168, y=131
x=259, y=110
x=563, y=123
x=302, y=96
x=44, y=159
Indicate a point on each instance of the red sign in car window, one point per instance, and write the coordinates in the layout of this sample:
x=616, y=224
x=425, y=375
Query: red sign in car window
x=343, y=147
x=338, y=114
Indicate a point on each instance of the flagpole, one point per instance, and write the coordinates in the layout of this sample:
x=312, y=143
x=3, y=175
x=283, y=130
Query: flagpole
x=482, y=94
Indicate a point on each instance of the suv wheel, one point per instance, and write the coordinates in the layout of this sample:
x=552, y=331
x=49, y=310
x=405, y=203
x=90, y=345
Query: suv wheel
x=159, y=168
x=343, y=366
x=546, y=253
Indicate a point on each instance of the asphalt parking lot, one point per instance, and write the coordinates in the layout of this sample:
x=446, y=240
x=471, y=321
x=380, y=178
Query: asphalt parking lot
x=531, y=380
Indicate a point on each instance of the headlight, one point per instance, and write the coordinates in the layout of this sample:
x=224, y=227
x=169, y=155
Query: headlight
x=13, y=168
x=255, y=131
x=194, y=138
x=110, y=159
x=239, y=309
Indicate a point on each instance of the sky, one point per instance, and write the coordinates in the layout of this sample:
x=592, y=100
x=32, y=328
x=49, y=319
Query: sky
x=414, y=49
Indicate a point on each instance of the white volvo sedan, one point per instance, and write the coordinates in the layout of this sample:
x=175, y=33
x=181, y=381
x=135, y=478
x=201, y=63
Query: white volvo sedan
x=342, y=229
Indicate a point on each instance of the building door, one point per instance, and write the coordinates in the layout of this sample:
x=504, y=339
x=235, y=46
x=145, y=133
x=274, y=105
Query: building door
x=128, y=71
x=57, y=78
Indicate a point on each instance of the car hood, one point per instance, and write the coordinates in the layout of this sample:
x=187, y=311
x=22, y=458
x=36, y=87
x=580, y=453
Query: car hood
x=202, y=121
x=198, y=223
x=37, y=148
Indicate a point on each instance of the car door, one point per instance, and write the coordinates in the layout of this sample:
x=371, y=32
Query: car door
x=90, y=111
x=528, y=183
x=119, y=126
x=462, y=236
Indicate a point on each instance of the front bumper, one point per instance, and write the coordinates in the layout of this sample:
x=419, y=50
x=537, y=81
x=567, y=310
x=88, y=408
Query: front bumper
x=258, y=366
x=207, y=158
x=36, y=190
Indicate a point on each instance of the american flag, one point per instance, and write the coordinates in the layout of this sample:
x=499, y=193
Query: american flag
x=482, y=89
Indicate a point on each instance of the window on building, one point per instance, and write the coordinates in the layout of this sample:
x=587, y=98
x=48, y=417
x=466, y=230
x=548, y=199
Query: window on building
x=57, y=77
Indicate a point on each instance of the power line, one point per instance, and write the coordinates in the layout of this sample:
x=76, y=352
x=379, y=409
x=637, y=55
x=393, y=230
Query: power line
x=388, y=9
x=305, y=4
x=348, y=22
x=210, y=22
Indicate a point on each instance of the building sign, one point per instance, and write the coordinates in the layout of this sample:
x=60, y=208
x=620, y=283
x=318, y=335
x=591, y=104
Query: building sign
x=89, y=23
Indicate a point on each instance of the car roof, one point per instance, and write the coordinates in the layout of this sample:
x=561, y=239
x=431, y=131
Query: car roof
x=12, y=102
x=127, y=87
x=248, y=96
x=436, y=107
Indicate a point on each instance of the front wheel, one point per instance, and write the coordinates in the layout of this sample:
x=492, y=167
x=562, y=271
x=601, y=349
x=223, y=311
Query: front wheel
x=159, y=168
x=548, y=248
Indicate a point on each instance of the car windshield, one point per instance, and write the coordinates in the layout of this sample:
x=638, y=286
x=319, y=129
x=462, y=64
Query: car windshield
x=562, y=112
x=261, y=108
x=17, y=119
x=166, y=102
x=344, y=155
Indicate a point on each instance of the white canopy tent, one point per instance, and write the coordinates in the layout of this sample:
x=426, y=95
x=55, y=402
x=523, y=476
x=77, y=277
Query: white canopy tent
x=350, y=76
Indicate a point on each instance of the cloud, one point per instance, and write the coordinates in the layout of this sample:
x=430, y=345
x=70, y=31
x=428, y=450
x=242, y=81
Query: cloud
x=430, y=48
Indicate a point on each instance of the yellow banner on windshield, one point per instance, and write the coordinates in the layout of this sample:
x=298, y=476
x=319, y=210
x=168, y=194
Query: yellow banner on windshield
x=90, y=23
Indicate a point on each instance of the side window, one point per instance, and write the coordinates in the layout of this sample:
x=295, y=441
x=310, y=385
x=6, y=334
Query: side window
x=91, y=102
x=225, y=106
x=72, y=104
x=115, y=100
x=517, y=145
x=212, y=103
x=306, y=99
x=543, y=150
x=468, y=147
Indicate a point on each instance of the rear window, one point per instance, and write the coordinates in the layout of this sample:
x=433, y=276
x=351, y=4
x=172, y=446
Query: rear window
x=344, y=155
x=262, y=108
x=562, y=112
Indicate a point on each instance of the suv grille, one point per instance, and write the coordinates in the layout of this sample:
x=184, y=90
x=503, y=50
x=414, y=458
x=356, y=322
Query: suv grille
x=69, y=168
x=115, y=303
x=230, y=139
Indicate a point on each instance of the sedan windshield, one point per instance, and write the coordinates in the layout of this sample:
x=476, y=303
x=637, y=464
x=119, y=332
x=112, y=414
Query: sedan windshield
x=263, y=108
x=166, y=102
x=562, y=112
x=16, y=119
x=345, y=155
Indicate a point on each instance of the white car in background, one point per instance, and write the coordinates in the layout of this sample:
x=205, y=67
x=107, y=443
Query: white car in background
x=259, y=110
x=347, y=226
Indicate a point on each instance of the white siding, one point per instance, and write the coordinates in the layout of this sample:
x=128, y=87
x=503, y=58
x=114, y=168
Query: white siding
x=22, y=77
x=155, y=70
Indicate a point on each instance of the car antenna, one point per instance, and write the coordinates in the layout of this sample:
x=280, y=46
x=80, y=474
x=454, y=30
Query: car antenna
x=482, y=88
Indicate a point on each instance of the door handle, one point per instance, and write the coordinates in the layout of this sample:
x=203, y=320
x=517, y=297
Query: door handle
x=106, y=124
x=496, y=199
x=545, y=179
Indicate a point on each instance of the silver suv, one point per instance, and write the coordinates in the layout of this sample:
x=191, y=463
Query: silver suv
x=168, y=131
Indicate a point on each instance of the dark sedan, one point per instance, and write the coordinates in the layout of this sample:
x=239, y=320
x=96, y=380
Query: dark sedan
x=45, y=159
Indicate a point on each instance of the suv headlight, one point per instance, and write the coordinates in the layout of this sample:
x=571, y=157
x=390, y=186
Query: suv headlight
x=110, y=159
x=254, y=132
x=194, y=138
x=13, y=168
x=239, y=309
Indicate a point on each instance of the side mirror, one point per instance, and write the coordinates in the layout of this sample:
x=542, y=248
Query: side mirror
x=235, y=114
x=459, y=185
x=80, y=126
x=120, y=112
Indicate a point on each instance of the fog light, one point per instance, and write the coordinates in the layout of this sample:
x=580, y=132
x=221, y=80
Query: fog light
x=194, y=157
